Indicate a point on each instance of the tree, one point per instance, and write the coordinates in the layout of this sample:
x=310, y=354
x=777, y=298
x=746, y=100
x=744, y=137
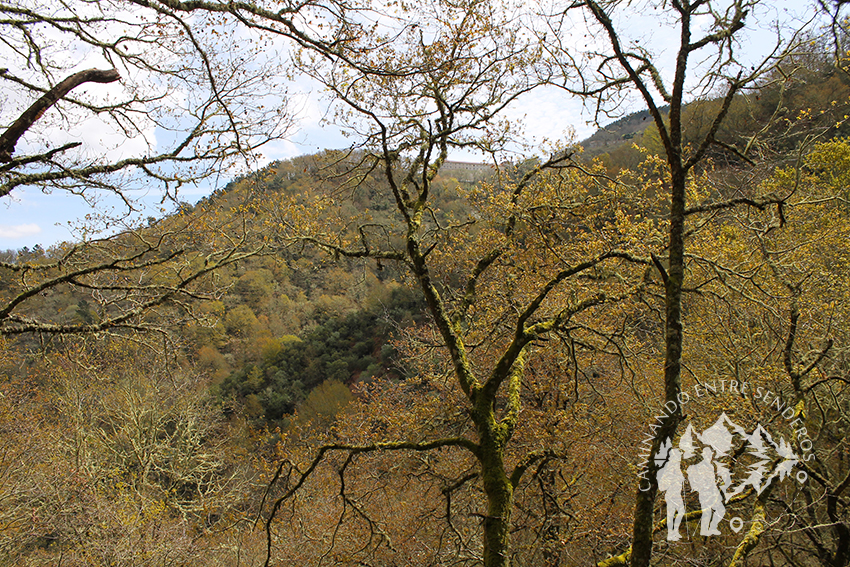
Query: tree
x=112, y=455
x=519, y=269
x=784, y=293
x=410, y=121
x=181, y=99
x=619, y=65
x=167, y=79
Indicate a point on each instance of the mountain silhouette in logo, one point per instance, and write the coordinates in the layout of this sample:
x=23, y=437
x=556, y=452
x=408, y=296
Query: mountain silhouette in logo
x=721, y=436
x=764, y=450
x=760, y=442
x=742, y=460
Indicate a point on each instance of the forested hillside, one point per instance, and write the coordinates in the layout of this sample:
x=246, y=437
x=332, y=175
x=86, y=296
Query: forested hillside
x=380, y=356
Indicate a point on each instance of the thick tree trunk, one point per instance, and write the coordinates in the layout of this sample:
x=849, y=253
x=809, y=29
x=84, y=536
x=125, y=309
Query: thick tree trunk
x=499, y=491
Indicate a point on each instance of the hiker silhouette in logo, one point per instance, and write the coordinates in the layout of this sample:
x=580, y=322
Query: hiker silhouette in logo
x=671, y=481
x=702, y=478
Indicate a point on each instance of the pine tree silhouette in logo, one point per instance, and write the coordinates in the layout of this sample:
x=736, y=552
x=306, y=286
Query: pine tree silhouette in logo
x=705, y=460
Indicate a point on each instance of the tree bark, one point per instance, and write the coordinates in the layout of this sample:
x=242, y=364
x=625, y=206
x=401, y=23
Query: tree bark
x=499, y=492
x=10, y=137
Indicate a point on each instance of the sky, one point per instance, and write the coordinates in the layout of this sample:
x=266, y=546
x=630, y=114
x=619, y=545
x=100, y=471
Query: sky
x=29, y=217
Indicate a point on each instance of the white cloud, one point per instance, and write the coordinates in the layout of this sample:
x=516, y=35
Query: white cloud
x=19, y=230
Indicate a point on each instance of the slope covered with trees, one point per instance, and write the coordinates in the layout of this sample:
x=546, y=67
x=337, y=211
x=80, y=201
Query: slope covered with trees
x=360, y=358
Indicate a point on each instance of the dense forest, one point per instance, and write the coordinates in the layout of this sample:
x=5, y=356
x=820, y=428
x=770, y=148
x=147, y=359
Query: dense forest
x=383, y=356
